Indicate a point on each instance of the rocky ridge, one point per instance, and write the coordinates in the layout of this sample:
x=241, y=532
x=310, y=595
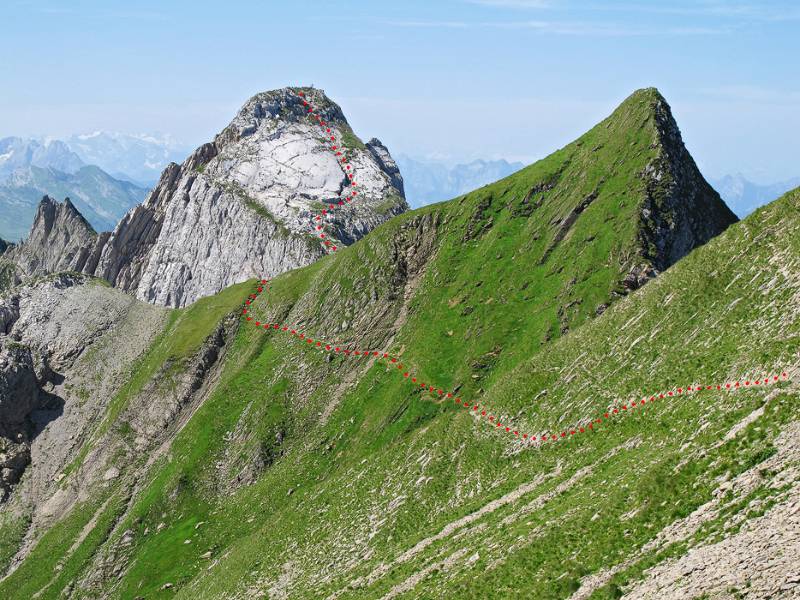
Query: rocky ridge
x=396, y=492
x=240, y=206
x=60, y=240
x=42, y=395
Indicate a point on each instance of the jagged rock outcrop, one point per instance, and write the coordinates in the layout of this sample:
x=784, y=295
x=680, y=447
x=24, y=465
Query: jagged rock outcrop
x=681, y=210
x=386, y=162
x=50, y=388
x=19, y=397
x=60, y=240
x=241, y=206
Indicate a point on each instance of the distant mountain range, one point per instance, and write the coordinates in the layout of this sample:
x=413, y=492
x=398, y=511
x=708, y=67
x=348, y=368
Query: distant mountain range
x=427, y=181
x=30, y=168
x=102, y=199
x=18, y=153
x=103, y=173
x=137, y=158
x=744, y=196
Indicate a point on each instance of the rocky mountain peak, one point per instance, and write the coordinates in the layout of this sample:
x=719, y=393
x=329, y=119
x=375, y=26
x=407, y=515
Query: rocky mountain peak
x=243, y=205
x=52, y=214
x=681, y=210
x=279, y=107
x=277, y=160
x=677, y=208
x=60, y=240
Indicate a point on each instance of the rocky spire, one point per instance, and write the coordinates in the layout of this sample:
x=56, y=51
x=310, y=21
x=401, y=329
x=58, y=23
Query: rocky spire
x=60, y=240
x=681, y=210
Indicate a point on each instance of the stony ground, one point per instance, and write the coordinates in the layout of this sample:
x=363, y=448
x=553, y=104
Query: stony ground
x=240, y=206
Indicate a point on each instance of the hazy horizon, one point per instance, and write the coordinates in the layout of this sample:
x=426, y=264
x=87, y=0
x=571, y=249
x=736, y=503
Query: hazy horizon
x=490, y=79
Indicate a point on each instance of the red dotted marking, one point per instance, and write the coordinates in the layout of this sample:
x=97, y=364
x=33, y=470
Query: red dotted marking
x=336, y=148
x=481, y=411
x=317, y=226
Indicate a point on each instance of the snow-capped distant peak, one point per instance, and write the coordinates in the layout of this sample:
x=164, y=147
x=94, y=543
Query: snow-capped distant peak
x=163, y=140
x=89, y=136
x=20, y=153
x=135, y=156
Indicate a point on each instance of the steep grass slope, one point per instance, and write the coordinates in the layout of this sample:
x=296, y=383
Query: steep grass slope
x=309, y=474
x=125, y=376
x=399, y=493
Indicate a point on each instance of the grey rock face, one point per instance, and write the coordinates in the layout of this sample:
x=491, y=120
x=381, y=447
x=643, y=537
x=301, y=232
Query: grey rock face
x=60, y=240
x=195, y=239
x=18, y=387
x=387, y=163
x=50, y=391
x=239, y=207
x=19, y=397
x=681, y=211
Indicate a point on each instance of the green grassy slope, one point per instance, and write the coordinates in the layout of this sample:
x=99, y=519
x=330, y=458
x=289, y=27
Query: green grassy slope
x=395, y=484
x=316, y=475
x=66, y=548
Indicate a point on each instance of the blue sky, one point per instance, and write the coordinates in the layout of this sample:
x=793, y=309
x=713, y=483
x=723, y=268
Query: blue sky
x=452, y=78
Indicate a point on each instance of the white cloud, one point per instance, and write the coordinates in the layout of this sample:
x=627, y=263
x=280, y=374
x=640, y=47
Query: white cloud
x=744, y=11
x=576, y=28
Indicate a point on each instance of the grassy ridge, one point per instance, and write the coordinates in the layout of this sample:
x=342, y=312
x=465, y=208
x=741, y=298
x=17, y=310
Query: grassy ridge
x=323, y=476
x=638, y=479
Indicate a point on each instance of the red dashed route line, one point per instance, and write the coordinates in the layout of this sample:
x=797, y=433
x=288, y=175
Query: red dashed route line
x=485, y=412
x=330, y=138
x=479, y=410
